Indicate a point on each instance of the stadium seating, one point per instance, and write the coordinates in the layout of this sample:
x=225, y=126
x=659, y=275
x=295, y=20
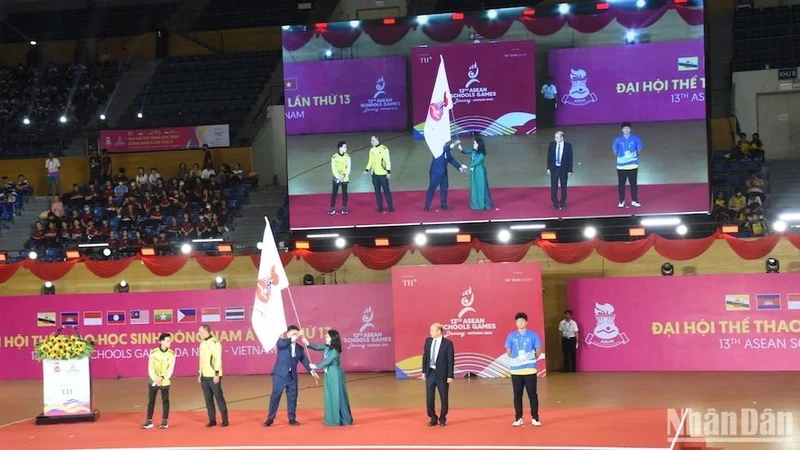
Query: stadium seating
x=95, y=21
x=766, y=37
x=198, y=90
x=227, y=14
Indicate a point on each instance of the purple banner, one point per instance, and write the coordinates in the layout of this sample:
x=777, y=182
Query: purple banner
x=653, y=82
x=493, y=86
x=347, y=95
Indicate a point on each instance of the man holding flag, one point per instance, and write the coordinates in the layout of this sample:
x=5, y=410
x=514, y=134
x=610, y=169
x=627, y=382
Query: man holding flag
x=437, y=136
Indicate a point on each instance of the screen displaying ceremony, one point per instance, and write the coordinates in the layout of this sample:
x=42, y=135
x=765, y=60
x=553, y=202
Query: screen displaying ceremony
x=458, y=120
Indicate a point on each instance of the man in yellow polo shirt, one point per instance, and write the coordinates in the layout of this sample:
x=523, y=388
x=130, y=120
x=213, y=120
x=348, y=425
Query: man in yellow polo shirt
x=210, y=376
x=160, y=368
x=380, y=165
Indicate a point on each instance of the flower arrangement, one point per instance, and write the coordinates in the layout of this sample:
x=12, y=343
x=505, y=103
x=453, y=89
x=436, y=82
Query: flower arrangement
x=63, y=347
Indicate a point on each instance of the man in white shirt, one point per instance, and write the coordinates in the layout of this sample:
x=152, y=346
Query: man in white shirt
x=547, y=112
x=52, y=165
x=569, y=340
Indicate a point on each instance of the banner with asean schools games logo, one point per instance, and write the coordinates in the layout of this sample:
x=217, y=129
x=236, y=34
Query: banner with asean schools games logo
x=476, y=305
x=126, y=327
x=493, y=86
x=700, y=323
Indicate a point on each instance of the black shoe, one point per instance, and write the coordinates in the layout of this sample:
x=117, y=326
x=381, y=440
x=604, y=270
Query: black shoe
x=211, y=424
x=391, y=209
x=442, y=423
x=426, y=209
x=164, y=425
x=562, y=206
x=555, y=207
x=294, y=422
x=268, y=423
x=433, y=423
x=225, y=423
x=445, y=208
x=148, y=424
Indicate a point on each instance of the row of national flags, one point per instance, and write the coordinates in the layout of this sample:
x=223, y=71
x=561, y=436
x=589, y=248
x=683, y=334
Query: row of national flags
x=141, y=316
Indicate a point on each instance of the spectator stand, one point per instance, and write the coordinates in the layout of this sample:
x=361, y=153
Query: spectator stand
x=766, y=37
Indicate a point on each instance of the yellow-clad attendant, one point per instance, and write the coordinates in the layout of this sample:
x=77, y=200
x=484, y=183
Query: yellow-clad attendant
x=340, y=168
x=380, y=165
x=160, y=368
x=210, y=376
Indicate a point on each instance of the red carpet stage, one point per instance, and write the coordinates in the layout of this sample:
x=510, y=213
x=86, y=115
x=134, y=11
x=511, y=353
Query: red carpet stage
x=310, y=211
x=474, y=428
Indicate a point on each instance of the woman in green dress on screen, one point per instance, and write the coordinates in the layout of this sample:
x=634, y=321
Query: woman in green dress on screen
x=337, y=404
x=480, y=199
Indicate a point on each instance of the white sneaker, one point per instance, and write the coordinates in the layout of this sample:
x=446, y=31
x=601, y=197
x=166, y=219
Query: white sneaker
x=621, y=205
x=636, y=204
x=536, y=423
x=518, y=423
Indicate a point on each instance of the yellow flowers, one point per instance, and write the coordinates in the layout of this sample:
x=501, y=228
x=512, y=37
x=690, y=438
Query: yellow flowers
x=63, y=347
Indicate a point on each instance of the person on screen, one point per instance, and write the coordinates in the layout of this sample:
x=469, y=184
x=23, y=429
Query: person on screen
x=569, y=341
x=337, y=402
x=210, y=376
x=524, y=346
x=547, y=116
x=340, y=167
x=626, y=148
x=438, y=175
x=160, y=368
x=284, y=376
x=438, y=371
x=559, y=167
x=380, y=165
x=480, y=199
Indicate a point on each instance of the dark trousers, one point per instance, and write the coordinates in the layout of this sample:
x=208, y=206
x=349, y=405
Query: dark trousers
x=558, y=176
x=432, y=384
x=438, y=180
x=151, y=401
x=335, y=192
x=569, y=351
x=547, y=116
x=212, y=391
x=280, y=384
x=629, y=176
x=522, y=383
x=381, y=183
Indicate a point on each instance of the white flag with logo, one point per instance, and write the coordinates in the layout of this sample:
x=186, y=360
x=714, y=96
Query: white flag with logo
x=437, y=124
x=268, y=319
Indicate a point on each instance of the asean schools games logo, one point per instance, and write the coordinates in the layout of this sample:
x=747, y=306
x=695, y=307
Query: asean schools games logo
x=380, y=100
x=606, y=333
x=363, y=339
x=470, y=93
x=468, y=323
x=579, y=93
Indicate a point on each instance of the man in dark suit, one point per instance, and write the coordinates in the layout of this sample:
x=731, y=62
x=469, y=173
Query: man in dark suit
x=438, y=365
x=559, y=167
x=284, y=376
x=438, y=175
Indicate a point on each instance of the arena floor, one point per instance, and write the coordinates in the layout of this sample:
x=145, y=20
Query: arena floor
x=612, y=411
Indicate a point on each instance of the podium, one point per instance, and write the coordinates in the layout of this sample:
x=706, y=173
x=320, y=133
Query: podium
x=67, y=386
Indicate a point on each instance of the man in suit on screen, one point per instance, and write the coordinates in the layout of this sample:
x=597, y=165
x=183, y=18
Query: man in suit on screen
x=559, y=167
x=438, y=367
x=438, y=175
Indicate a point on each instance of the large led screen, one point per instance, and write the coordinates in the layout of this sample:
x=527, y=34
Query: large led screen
x=428, y=120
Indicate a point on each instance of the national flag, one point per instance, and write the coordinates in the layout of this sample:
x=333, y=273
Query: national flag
x=793, y=301
x=140, y=317
x=688, y=63
x=289, y=84
x=768, y=301
x=737, y=302
x=268, y=318
x=92, y=318
x=437, y=124
x=187, y=315
x=210, y=315
x=70, y=319
x=115, y=317
x=46, y=319
x=162, y=316
x=234, y=313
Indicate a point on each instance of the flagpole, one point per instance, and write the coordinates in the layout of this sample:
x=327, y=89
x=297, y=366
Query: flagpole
x=453, y=122
x=296, y=316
